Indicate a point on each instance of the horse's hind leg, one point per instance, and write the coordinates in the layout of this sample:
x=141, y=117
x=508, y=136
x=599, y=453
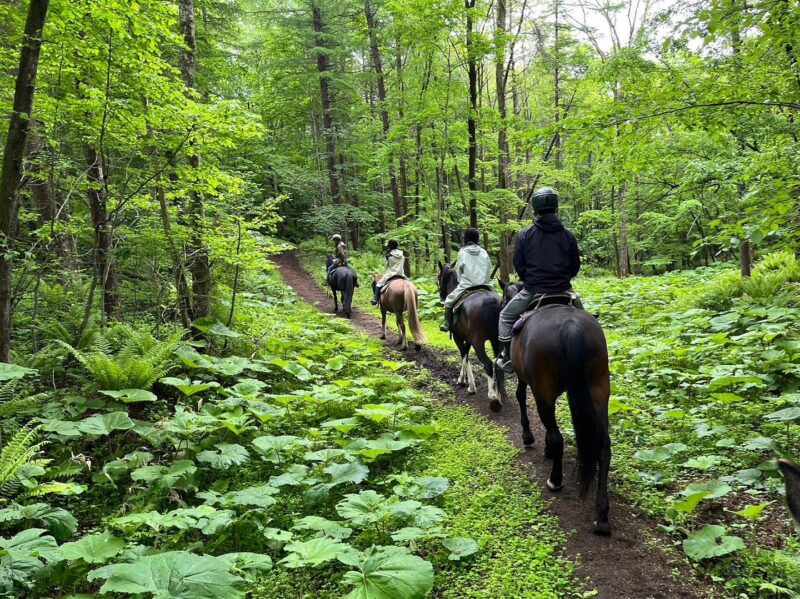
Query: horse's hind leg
x=601, y=524
x=401, y=331
x=499, y=378
x=383, y=323
x=488, y=366
x=522, y=391
x=553, y=441
x=335, y=301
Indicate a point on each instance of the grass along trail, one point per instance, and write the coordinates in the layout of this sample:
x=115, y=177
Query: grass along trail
x=635, y=562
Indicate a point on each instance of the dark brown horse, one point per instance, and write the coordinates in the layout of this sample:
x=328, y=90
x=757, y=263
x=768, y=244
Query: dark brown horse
x=561, y=348
x=398, y=296
x=476, y=324
x=343, y=280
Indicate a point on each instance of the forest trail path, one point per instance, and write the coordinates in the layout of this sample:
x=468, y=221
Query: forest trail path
x=634, y=563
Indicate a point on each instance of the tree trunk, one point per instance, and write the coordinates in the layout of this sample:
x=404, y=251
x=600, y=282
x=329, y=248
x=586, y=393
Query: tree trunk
x=47, y=205
x=103, y=231
x=11, y=173
x=328, y=127
x=377, y=66
x=199, y=263
x=622, y=247
x=472, y=74
x=503, y=152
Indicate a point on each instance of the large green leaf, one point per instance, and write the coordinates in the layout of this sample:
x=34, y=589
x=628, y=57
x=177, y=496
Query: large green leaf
x=176, y=474
x=105, y=424
x=56, y=520
x=315, y=552
x=660, y=454
x=364, y=508
x=350, y=472
x=459, y=547
x=326, y=527
x=10, y=372
x=711, y=541
x=131, y=395
x=390, y=573
x=93, y=549
x=227, y=455
x=174, y=574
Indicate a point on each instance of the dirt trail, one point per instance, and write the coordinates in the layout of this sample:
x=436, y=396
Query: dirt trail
x=634, y=563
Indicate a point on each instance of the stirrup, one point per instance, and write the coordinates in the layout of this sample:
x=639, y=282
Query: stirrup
x=444, y=327
x=504, y=364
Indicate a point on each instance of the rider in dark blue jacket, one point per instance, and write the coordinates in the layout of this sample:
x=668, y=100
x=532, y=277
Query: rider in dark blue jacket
x=546, y=259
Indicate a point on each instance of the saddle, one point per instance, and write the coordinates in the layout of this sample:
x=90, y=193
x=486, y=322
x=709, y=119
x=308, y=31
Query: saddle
x=467, y=293
x=394, y=278
x=542, y=301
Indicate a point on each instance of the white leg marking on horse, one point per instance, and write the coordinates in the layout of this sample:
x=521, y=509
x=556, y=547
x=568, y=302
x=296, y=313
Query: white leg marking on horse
x=461, y=372
x=471, y=378
x=492, y=389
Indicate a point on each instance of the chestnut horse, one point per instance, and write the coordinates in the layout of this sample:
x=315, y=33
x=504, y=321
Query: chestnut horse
x=397, y=296
x=476, y=324
x=561, y=348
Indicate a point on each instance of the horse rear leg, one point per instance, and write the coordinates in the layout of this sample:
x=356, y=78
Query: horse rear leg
x=335, y=301
x=401, y=330
x=463, y=350
x=522, y=392
x=495, y=403
x=383, y=323
x=499, y=377
x=553, y=441
x=600, y=397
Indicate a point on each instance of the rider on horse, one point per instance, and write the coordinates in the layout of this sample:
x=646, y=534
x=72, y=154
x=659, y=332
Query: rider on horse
x=474, y=269
x=340, y=255
x=395, y=267
x=546, y=259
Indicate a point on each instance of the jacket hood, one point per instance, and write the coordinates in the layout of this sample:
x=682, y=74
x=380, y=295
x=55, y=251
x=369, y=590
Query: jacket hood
x=473, y=249
x=548, y=223
x=396, y=253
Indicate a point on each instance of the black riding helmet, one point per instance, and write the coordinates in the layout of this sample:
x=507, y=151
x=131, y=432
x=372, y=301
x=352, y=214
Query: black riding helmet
x=392, y=245
x=545, y=198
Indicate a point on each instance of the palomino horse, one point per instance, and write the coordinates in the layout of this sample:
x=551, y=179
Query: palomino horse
x=561, y=348
x=398, y=296
x=477, y=324
x=343, y=280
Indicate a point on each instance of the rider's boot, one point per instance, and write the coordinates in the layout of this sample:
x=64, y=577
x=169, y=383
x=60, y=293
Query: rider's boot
x=448, y=320
x=503, y=360
x=377, y=293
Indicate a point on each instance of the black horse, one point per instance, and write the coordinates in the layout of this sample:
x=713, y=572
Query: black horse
x=561, y=348
x=343, y=280
x=477, y=323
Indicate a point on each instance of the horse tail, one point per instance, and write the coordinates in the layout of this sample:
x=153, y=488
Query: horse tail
x=585, y=420
x=413, y=314
x=491, y=318
x=346, y=284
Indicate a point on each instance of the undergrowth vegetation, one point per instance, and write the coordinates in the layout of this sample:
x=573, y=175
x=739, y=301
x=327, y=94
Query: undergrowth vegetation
x=290, y=461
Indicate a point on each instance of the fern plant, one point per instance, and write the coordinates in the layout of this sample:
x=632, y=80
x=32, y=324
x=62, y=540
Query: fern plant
x=15, y=455
x=141, y=361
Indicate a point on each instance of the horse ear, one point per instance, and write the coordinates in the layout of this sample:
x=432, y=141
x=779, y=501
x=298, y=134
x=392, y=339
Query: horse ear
x=441, y=266
x=503, y=283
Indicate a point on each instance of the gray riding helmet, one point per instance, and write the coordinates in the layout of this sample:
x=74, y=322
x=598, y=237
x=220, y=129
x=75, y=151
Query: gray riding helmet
x=545, y=198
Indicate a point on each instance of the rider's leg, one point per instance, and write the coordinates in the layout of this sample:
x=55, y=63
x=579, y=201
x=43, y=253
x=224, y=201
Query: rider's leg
x=377, y=291
x=508, y=317
x=449, y=302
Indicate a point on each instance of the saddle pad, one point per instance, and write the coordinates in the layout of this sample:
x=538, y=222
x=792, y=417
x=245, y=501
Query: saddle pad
x=468, y=292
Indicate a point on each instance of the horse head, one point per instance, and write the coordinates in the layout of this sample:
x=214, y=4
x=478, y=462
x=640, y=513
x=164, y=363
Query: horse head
x=448, y=280
x=509, y=289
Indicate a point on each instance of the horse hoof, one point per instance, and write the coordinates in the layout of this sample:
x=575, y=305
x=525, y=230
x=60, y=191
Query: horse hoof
x=495, y=406
x=383, y=337
x=472, y=391
x=461, y=384
x=417, y=346
x=602, y=529
x=554, y=488
x=527, y=439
